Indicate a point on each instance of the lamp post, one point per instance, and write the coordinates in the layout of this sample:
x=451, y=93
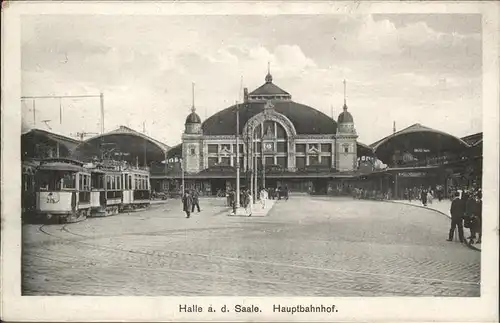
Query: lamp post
x=250, y=166
x=256, y=165
x=182, y=177
x=237, y=210
x=263, y=164
x=164, y=170
x=237, y=197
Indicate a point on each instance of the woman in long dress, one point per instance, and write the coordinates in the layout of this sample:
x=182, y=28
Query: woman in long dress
x=249, y=205
x=263, y=197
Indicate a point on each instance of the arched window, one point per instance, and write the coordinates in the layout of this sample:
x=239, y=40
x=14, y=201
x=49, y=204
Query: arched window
x=272, y=142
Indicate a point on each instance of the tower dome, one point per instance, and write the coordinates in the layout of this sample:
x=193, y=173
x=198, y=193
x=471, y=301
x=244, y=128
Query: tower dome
x=193, y=117
x=193, y=121
x=345, y=120
x=269, y=77
x=345, y=116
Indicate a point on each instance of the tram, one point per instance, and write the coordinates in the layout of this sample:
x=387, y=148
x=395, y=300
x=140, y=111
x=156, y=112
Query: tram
x=62, y=191
x=106, y=190
x=136, y=190
x=28, y=201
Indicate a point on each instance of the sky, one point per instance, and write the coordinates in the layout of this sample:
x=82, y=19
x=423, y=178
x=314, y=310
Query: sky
x=399, y=68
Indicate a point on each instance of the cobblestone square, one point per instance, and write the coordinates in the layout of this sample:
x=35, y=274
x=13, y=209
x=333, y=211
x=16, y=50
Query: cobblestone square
x=307, y=246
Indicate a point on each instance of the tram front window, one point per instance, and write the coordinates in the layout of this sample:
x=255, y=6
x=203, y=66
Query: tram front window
x=56, y=180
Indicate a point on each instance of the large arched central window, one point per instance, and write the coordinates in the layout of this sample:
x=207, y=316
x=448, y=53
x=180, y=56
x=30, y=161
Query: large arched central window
x=271, y=144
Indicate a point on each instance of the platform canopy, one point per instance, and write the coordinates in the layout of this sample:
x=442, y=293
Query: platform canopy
x=474, y=140
x=123, y=144
x=37, y=143
x=363, y=150
x=417, y=143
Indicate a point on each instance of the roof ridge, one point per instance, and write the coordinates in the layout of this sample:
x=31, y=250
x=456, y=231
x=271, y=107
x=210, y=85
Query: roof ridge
x=268, y=85
x=117, y=130
x=53, y=134
x=416, y=126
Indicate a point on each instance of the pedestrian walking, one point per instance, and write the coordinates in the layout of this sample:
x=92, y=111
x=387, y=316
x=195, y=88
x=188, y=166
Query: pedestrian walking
x=429, y=197
x=248, y=203
x=187, y=203
x=263, y=197
x=457, y=211
x=286, y=193
x=423, y=197
x=439, y=191
x=470, y=219
x=196, y=201
x=479, y=217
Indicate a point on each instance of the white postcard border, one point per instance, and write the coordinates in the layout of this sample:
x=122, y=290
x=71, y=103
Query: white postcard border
x=76, y=308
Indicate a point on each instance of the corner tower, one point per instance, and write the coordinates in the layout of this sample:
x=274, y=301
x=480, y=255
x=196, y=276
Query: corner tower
x=192, y=141
x=346, y=139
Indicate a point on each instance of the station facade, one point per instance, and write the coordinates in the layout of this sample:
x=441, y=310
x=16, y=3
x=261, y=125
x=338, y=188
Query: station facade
x=286, y=143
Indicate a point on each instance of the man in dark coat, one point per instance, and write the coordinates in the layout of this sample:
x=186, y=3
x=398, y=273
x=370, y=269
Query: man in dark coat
x=476, y=217
x=187, y=204
x=457, y=211
x=423, y=197
x=479, y=215
x=196, y=201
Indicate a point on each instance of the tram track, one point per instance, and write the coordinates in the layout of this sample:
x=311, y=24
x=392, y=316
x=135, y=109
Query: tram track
x=279, y=264
x=170, y=257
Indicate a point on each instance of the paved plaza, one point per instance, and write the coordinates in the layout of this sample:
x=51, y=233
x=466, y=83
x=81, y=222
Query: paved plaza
x=307, y=246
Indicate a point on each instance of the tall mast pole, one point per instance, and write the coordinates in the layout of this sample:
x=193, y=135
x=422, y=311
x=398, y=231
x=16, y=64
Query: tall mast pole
x=101, y=96
x=255, y=165
x=34, y=113
x=250, y=161
x=192, y=96
x=237, y=200
x=145, y=144
x=262, y=158
x=60, y=111
x=345, y=100
x=182, y=176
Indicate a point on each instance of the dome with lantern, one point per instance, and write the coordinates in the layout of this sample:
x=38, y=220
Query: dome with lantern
x=193, y=121
x=345, y=121
x=305, y=119
x=193, y=117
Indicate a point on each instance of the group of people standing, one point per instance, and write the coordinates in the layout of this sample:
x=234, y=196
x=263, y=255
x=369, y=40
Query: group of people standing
x=425, y=195
x=246, y=199
x=365, y=194
x=190, y=201
x=466, y=211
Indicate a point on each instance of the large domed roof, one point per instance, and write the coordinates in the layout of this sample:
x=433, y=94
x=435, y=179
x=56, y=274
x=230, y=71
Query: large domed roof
x=193, y=117
x=305, y=119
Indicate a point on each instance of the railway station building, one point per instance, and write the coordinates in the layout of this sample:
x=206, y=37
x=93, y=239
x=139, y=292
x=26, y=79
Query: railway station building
x=298, y=146
x=289, y=143
x=285, y=143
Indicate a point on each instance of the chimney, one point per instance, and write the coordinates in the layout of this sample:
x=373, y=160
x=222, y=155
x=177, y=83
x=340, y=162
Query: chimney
x=394, y=127
x=245, y=95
